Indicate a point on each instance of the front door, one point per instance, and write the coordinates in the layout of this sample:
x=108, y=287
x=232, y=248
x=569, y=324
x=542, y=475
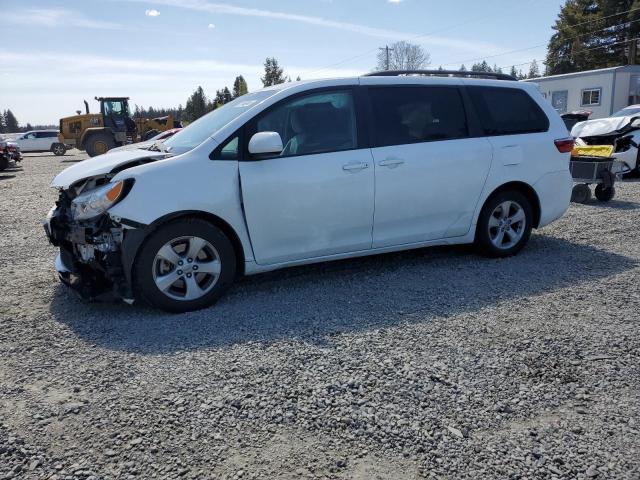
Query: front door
x=315, y=198
x=429, y=173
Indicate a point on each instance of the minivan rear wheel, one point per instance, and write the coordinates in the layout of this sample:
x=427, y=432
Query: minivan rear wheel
x=504, y=225
x=185, y=265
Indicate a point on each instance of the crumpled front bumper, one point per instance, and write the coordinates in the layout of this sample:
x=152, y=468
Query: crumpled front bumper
x=85, y=263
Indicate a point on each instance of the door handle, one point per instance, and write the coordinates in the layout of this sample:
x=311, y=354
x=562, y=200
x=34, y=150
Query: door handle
x=353, y=167
x=391, y=162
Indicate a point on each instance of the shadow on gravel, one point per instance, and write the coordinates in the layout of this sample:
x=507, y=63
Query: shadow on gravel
x=615, y=204
x=315, y=301
x=6, y=177
x=71, y=160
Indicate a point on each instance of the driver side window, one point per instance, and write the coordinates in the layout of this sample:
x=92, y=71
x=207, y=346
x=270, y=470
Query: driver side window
x=316, y=123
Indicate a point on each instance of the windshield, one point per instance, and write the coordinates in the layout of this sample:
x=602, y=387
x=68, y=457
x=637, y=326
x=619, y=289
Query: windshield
x=203, y=128
x=627, y=112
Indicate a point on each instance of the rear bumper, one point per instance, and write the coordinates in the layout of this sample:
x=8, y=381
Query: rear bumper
x=554, y=193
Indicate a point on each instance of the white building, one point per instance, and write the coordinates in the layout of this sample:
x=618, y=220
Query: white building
x=602, y=91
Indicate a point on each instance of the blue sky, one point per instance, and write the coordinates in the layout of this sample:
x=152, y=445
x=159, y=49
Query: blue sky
x=56, y=53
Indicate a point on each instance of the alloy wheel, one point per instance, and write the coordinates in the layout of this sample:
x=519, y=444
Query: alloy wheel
x=186, y=268
x=507, y=224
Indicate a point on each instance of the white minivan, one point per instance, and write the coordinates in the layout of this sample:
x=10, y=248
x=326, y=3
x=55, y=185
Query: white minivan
x=41, y=141
x=309, y=172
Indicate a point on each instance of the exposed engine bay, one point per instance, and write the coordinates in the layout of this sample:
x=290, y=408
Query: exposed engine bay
x=625, y=139
x=92, y=260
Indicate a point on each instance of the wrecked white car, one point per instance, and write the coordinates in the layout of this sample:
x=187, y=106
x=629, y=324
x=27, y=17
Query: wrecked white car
x=621, y=130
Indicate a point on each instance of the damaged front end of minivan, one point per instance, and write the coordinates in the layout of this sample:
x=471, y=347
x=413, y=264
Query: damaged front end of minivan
x=95, y=256
x=623, y=136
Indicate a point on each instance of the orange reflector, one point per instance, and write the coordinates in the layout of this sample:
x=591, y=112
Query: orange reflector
x=114, y=193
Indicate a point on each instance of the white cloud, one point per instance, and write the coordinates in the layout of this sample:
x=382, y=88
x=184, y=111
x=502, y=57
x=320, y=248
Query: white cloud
x=211, y=26
x=223, y=8
x=55, y=17
x=395, y=1
x=152, y=12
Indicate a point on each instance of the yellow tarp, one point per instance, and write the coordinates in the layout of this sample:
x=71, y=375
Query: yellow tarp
x=592, y=151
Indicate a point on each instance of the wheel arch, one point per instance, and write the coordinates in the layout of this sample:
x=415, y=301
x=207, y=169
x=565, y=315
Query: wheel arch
x=138, y=240
x=525, y=189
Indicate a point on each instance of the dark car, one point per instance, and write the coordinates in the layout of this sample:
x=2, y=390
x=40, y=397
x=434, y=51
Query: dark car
x=571, y=118
x=9, y=152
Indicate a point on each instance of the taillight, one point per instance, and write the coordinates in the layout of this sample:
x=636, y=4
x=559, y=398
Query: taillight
x=564, y=145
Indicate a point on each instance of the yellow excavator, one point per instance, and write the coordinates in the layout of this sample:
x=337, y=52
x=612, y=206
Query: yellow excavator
x=97, y=133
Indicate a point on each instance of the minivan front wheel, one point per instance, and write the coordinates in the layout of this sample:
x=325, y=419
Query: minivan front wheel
x=504, y=225
x=185, y=265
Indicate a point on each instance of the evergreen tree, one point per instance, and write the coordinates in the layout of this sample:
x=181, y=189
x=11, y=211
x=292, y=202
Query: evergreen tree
x=593, y=34
x=273, y=74
x=481, y=67
x=196, y=105
x=298, y=79
x=226, y=96
x=513, y=72
x=463, y=68
x=534, y=71
x=10, y=122
x=240, y=87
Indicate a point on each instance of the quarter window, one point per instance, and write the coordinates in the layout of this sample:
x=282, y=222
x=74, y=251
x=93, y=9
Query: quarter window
x=507, y=111
x=316, y=123
x=591, y=97
x=404, y=115
x=228, y=150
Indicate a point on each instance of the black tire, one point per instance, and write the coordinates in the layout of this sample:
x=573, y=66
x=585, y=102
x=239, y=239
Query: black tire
x=484, y=243
x=605, y=194
x=145, y=265
x=58, y=149
x=581, y=193
x=149, y=135
x=4, y=163
x=97, y=142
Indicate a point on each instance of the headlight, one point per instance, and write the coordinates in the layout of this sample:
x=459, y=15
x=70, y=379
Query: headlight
x=97, y=201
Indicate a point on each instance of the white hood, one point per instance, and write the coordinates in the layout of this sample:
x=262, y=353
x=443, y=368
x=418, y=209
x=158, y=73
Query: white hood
x=133, y=146
x=600, y=126
x=100, y=165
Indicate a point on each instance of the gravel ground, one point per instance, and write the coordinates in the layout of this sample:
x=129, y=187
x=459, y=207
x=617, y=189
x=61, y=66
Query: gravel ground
x=433, y=363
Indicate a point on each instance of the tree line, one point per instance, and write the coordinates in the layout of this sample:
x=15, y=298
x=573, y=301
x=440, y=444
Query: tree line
x=9, y=124
x=199, y=104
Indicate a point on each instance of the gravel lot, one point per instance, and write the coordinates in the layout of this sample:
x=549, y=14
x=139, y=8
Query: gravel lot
x=432, y=363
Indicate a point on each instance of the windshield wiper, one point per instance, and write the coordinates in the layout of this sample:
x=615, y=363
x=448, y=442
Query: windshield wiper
x=158, y=146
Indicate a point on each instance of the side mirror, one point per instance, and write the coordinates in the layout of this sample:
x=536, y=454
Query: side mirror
x=265, y=142
x=636, y=123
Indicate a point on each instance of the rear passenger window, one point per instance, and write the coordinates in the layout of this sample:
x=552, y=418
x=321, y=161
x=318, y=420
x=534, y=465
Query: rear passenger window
x=404, y=115
x=507, y=111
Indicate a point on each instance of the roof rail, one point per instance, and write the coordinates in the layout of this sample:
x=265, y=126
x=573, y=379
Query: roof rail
x=442, y=73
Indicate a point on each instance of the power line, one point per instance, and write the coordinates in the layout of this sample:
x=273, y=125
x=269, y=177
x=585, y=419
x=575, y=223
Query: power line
x=540, y=45
x=602, y=18
x=356, y=57
x=583, y=50
x=422, y=35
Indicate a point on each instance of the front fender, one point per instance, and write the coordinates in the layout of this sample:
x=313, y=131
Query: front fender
x=184, y=183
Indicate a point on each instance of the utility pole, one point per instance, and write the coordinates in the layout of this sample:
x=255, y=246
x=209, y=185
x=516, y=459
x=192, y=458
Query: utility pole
x=387, y=50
